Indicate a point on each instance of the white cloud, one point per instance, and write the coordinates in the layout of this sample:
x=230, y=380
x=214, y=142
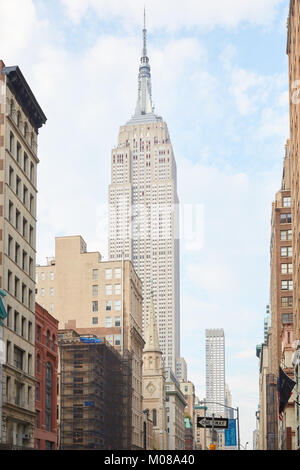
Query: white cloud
x=171, y=15
x=19, y=27
x=212, y=277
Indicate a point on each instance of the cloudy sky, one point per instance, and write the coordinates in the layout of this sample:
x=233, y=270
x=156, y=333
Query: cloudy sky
x=220, y=80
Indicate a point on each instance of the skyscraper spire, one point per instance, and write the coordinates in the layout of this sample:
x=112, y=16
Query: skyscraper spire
x=144, y=54
x=144, y=103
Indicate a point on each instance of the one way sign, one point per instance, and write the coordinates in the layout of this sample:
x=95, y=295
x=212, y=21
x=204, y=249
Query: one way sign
x=219, y=423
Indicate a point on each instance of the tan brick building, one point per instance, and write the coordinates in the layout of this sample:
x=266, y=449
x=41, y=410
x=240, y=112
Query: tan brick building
x=280, y=342
x=97, y=297
x=20, y=120
x=281, y=251
x=293, y=52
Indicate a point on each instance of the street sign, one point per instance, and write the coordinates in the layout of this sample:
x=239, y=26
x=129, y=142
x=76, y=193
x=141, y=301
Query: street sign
x=230, y=434
x=219, y=423
x=3, y=313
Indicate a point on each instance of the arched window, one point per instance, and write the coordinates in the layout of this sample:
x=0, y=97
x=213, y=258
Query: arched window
x=48, y=396
x=48, y=339
x=154, y=417
x=53, y=342
x=26, y=130
x=18, y=119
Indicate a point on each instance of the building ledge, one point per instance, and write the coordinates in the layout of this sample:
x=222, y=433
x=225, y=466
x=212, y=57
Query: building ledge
x=20, y=88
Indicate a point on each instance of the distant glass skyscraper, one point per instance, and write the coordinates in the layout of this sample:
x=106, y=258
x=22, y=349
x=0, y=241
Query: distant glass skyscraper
x=143, y=211
x=215, y=371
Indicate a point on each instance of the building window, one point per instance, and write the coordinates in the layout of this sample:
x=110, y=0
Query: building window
x=37, y=391
x=154, y=417
x=38, y=333
x=287, y=268
x=108, y=305
x=117, y=305
x=117, y=289
x=18, y=358
x=287, y=318
x=118, y=273
x=16, y=322
x=287, y=302
x=108, y=289
x=19, y=393
x=95, y=274
x=52, y=291
x=51, y=276
x=95, y=306
x=287, y=285
x=95, y=291
x=48, y=339
x=37, y=419
x=286, y=251
x=117, y=340
x=285, y=218
x=286, y=202
x=117, y=321
x=108, y=322
x=95, y=320
x=11, y=143
x=38, y=363
x=108, y=273
x=53, y=342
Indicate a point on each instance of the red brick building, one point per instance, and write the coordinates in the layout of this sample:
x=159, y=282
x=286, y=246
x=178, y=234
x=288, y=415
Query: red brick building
x=46, y=365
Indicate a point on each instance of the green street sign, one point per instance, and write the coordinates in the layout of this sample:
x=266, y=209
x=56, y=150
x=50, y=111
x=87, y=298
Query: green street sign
x=3, y=313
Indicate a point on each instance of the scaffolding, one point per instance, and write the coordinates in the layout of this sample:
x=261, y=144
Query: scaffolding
x=95, y=395
x=127, y=401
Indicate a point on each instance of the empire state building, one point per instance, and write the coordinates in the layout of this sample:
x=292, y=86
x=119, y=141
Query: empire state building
x=143, y=211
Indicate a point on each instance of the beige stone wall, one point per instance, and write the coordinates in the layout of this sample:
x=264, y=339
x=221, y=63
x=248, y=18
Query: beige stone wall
x=88, y=294
x=18, y=165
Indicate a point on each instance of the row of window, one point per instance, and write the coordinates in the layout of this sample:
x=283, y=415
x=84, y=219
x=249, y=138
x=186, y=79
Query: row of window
x=108, y=289
x=48, y=338
x=21, y=292
x=14, y=218
x=17, y=119
x=15, y=184
x=108, y=305
x=109, y=321
x=108, y=274
x=19, y=324
x=43, y=276
x=51, y=291
x=19, y=393
x=20, y=257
